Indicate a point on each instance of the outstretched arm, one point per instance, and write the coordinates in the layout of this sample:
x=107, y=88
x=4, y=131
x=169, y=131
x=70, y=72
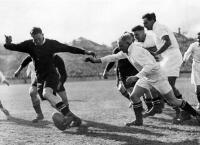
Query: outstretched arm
x=21, y=47
x=60, y=47
x=24, y=63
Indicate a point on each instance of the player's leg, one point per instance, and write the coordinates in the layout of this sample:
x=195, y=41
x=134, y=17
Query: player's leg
x=4, y=110
x=198, y=96
x=62, y=93
x=156, y=107
x=165, y=89
x=36, y=102
x=50, y=86
x=139, y=89
x=179, y=113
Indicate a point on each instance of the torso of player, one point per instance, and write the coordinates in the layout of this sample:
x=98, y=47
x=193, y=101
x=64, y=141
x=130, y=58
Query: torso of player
x=160, y=31
x=196, y=52
x=42, y=57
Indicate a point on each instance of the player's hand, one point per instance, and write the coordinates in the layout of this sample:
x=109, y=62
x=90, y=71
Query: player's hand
x=90, y=53
x=6, y=82
x=105, y=75
x=131, y=80
x=8, y=39
x=90, y=59
x=16, y=74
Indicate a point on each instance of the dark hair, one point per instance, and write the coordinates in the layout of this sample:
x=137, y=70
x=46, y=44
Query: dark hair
x=35, y=30
x=137, y=28
x=198, y=33
x=149, y=16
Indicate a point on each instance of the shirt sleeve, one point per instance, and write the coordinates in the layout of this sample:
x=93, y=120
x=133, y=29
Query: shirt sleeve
x=21, y=47
x=26, y=61
x=60, y=65
x=60, y=47
x=162, y=31
x=147, y=62
x=188, y=53
x=113, y=57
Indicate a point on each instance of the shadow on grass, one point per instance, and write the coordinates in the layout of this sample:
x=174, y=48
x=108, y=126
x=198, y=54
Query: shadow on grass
x=23, y=122
x=170, y=112
x=116, y=133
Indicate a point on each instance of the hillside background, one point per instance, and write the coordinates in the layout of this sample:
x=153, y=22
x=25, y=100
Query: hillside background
x=76, y=67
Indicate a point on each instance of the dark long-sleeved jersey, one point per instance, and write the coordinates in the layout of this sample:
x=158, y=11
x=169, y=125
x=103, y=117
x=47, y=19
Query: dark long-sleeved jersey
x=42, y=55
x=58, y=62
x=124, y=67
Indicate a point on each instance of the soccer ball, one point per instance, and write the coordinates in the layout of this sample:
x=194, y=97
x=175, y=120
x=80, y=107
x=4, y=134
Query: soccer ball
x=59, y=121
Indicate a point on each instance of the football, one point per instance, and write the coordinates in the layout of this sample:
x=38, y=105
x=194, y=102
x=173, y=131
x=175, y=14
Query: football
x=59, y=121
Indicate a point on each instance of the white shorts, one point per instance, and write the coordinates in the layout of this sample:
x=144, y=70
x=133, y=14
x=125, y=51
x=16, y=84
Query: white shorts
x=171, y=65
x=161, y=85
x=195, y=74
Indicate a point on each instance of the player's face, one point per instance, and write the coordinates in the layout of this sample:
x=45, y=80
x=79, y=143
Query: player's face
x=124, y=45
x=38, y=38
x=198, y=38
x=139, y=35
x=148, y=24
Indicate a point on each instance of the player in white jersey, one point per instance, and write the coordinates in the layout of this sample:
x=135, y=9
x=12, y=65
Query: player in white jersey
x=146, y=41
x=150, y=75
x=194, y=51
x=4, y=81
x=168, y=47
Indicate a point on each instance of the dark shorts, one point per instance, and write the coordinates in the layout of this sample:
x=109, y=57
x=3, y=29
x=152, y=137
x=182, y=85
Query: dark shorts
x=61, y=88
x=123, y=79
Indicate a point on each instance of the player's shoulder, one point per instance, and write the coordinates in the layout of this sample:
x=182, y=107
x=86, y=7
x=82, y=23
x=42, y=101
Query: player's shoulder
x=194, y=44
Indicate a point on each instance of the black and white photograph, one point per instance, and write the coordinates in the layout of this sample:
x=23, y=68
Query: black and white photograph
x=100, y=72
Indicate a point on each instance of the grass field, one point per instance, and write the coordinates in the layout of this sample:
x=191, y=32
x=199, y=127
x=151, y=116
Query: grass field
x=103, y=111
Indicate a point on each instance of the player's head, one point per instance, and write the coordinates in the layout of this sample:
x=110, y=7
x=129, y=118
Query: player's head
x=198, y=36
x=139, y=33
x=37, y=35
x=148, y=20
x=125, y=41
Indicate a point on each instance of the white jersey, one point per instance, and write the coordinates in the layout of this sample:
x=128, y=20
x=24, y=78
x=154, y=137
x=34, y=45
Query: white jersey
x=148, y=42
x=150, y=73
x=31, y=71
x=2, y=77
x=172, y=57
x=141, y=59
x=194, y=51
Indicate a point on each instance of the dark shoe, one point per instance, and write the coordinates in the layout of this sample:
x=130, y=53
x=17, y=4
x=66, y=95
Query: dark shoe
x=134, y=123
x=76, y=122
x=38, y=118
x=184, y=116
x=156, y=109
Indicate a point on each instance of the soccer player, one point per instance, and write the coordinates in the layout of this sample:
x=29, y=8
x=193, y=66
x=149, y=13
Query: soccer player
x=124, y=69
x=194, y=51
x=146, y=41
x=60, y=66
x=150, y=75
x=3, y=109
x=168, y=48
x=42, y=51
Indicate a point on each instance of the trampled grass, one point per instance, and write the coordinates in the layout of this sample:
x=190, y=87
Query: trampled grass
x=103, y=111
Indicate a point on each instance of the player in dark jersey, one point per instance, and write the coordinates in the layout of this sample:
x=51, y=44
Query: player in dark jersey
x=42, y=51
x=34, y=89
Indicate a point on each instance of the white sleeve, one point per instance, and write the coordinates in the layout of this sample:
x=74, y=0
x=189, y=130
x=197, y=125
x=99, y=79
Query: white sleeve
x=188, y=53
x=2, y=77
x=145, y=59
x=113, y=57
